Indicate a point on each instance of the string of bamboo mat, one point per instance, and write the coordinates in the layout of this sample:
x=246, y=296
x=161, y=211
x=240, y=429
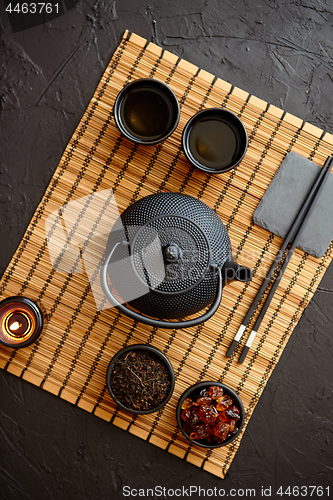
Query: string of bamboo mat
x=71, y=356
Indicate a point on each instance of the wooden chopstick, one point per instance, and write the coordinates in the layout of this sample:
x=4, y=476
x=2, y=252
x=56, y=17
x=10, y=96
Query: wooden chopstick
x=291, y=239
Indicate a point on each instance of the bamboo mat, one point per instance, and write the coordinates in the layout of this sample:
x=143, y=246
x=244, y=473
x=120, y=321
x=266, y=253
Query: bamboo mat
x=71, y=356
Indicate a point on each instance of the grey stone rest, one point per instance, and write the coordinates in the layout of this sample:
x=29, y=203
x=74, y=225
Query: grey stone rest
x=284, y=197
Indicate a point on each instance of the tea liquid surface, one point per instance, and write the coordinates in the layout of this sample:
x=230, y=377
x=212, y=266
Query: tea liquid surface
x=213, y=142
x=146, y=113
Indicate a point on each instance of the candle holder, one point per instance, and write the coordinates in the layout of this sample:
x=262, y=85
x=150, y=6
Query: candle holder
x=21, y=322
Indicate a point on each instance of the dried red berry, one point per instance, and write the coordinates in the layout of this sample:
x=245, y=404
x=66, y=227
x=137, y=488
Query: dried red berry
x=223, y=402
x=222, y=416
x=187, y=403
x=233, y=412
x=221, y=430
x=186, y=415
x=208, y=414
x=202, y=431
x=195, y=418
x=204, y=400
x=232, y=425
x=215, y=392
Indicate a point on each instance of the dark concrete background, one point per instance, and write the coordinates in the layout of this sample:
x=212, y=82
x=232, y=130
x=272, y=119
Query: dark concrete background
x=281, y=52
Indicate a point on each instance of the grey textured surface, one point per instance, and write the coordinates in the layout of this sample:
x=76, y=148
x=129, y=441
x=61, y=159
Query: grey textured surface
x=285, y=197
x=280, y=51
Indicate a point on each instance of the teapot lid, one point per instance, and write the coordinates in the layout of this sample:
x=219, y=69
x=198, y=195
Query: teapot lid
x=170, y=253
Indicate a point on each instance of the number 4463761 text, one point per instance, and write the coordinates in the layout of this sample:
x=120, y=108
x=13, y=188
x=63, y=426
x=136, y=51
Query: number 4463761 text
x=33, y=8
x=304, y=491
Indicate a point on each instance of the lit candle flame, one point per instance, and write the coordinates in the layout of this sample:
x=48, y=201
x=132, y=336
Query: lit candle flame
x=15, y=326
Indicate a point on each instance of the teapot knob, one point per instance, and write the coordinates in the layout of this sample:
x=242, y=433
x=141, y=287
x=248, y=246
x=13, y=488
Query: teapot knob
x=171, y=253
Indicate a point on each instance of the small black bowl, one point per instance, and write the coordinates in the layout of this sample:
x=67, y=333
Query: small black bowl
x=156, y=352
x=193, y=393
x=215, y=140
x=146, y=111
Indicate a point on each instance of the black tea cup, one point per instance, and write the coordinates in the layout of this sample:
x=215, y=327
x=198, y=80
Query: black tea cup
x=146, y=111
x=214, y=140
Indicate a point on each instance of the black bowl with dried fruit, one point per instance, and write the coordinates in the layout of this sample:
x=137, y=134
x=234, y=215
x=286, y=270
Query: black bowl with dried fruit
x=210, y=414
x=140, y=379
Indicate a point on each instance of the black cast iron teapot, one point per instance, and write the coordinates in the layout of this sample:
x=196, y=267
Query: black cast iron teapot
x=168, y=256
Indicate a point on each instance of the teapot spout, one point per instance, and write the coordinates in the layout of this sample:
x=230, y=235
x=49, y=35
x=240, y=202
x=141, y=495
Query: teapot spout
x=233, y=271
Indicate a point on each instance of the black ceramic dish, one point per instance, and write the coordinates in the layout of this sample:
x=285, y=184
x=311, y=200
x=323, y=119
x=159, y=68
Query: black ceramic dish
x=193, y=393
x=215, y=140
x=156, y=352
x=146, y=111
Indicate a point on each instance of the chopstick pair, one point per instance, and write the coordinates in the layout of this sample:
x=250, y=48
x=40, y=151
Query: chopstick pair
x=291, y=239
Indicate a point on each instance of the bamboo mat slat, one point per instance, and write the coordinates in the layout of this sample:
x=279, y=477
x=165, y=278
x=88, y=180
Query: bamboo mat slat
x=71, y=356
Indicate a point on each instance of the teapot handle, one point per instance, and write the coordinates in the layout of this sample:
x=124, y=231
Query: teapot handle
x=156, y=322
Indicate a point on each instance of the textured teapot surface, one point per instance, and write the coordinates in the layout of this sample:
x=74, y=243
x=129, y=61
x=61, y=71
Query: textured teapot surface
x=174, y=239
